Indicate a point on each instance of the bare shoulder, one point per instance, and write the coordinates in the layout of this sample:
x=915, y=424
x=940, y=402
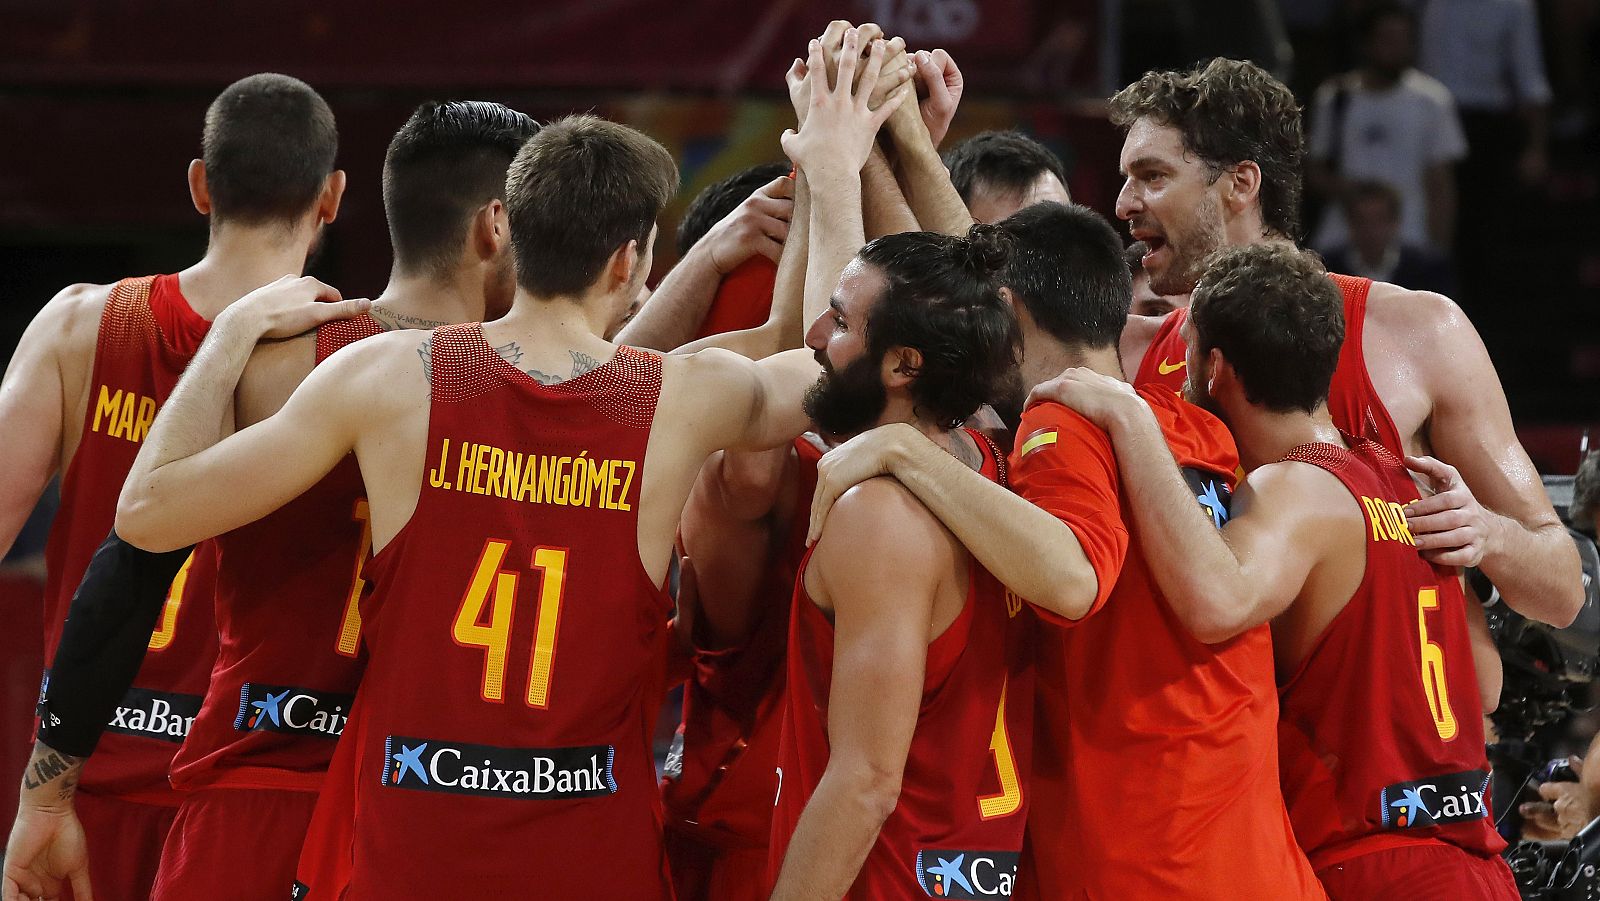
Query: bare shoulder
x=275, y=369
x=70, y=321
x=881, y=521
x=1415, y=313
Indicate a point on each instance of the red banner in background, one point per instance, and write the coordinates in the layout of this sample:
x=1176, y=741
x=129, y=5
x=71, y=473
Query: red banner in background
x=1031, y=46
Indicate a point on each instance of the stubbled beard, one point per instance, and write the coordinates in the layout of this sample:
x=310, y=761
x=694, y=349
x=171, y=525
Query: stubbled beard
x=1204, y=238
x=1194, y=391
x=848, y=400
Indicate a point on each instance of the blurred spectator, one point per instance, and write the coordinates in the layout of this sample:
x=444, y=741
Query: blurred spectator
x=1145, y=301
x=999, y=172
x=1387, y=122
x=1375, y=248
x=1487, y=53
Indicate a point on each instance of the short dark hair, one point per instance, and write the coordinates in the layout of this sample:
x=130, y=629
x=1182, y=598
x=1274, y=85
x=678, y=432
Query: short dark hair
x=443, y=165
x=1006, y=161
x=943, y=299
x=1362, y=191
x=1278, y=320
x=268, y=145
x=578, y=190
x=1067, y=269
x=720, y=198
x=1228, y=112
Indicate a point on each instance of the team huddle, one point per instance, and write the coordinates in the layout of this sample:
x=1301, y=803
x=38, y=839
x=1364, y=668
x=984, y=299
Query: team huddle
x=381, y=598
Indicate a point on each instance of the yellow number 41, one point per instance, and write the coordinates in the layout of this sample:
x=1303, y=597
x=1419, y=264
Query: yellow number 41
x=497, y=590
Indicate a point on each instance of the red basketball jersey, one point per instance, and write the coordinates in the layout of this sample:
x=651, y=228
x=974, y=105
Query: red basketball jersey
x=289, y=628
x=1352, y=400
x=148, y=333
x=726, y=750
x=1380, y=739
x=516, y=647
x=957, y=829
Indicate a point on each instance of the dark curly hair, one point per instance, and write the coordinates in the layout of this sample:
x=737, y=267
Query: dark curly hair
x=1229, y=111
x=1278, y=320
x=943, y=299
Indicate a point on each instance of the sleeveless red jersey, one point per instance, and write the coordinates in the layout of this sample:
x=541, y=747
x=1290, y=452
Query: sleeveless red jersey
x=956, y=831
x=148, y=333
x=502, y=739
x=743, y=299
x=1352, y=400
x=1380, y=740
x=722, y=775
x=289, y=628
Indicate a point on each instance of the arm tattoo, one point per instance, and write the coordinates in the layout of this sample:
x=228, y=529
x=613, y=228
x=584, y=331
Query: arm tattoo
x=49, y=766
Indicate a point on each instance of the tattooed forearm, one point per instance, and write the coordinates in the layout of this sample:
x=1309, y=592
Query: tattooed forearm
x=50, y=767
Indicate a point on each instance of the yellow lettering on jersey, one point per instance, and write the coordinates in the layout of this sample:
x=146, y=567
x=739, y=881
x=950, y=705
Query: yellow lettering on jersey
x=436, y=475
x=107, y=406
x=123, y=414
x=1388, y=520
x=562, y=481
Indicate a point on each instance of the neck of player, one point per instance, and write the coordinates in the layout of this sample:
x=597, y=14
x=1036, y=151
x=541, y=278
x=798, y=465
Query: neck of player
x=1044, y=358
x=428, y=300
x=241, y=258
x=1265, y=436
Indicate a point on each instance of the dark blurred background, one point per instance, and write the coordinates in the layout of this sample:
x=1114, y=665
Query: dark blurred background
x=1480, y=105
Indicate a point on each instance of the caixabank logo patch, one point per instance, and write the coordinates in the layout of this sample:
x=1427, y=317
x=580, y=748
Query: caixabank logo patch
x=428, y=764
x=1437, y=801
x=291, y=710
x=966, y=874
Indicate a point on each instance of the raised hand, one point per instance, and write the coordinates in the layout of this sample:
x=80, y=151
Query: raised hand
x=939, y=85
x=294, y=305
x=840, y=124
x=759, y=225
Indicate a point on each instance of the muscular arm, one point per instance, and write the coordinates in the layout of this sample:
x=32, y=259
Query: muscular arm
x=1526, y=553
x=35, y=401
x=1032, y=552
x=784, y=328
x=1222, y=583
x=882, y=622
x=189, y=483
x=926, y=182
x=884, y=207
x=728, y=531
x=672, y=315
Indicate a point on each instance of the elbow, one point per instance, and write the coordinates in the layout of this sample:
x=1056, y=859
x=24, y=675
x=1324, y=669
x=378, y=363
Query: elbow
x=1569, y=604
x=881, y=794
x=1070, y=593
x=1213, y=620
x=137, y=524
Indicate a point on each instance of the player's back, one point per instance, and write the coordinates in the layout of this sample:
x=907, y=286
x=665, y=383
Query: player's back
x=517, y=645
x=146, y=335
x=1153, y=772
x=956, y=830
x=1381, y=744
x=289, y=628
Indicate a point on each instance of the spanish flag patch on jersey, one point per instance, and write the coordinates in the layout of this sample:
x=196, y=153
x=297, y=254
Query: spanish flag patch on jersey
x=1035, y=441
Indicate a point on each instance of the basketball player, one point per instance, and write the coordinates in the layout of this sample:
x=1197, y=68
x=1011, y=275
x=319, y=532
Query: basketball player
x=1155, y=763
x=1380, y=738
x=78, y=399
x=1000, y=172
x=539, y=779
x=1213, y=158
x=289, y=634
x=904, y=676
